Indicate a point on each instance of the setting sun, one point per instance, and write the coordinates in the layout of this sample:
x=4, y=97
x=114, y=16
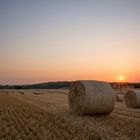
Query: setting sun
x=121, y=78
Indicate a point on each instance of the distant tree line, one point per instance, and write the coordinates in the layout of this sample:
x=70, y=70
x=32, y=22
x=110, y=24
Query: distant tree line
x=56, y=85
x=49, y=85
x=134, y=85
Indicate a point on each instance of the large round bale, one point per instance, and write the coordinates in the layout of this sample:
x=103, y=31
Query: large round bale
x=132, y=99
x=91, y=97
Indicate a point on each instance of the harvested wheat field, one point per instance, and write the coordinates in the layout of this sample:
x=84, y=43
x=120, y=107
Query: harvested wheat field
x=45, y=115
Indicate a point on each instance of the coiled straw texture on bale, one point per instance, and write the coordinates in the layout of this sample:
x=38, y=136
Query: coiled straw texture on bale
x=132, y=99
x=91, y=97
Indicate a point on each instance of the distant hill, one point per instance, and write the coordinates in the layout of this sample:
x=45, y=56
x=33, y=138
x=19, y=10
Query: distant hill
x=49, y=85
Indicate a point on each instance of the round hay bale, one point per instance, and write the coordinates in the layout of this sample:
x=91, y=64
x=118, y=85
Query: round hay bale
x=132, y=99
x=119, y=98
x=91, y=97
x=21, y=92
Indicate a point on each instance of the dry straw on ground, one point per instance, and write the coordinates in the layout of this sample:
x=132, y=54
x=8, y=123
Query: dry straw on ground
x=32, y=117
x=132, y=99
x=91, y=97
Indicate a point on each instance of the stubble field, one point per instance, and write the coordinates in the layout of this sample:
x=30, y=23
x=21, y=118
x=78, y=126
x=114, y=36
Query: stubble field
x=45, y=115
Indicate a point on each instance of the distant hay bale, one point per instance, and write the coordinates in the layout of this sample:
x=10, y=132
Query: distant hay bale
x=132, y=99
x=91, y=97
x=21, y=92
x=37, y=93
x=119, y=98
x=7, y=92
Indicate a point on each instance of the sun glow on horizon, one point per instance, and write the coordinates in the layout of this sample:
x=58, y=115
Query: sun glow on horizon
x=121, y=78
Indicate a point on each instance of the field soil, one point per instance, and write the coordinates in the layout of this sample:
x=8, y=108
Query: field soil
x=45, y=115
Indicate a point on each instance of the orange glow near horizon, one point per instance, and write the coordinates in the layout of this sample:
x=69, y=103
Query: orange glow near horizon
x=26, y=71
